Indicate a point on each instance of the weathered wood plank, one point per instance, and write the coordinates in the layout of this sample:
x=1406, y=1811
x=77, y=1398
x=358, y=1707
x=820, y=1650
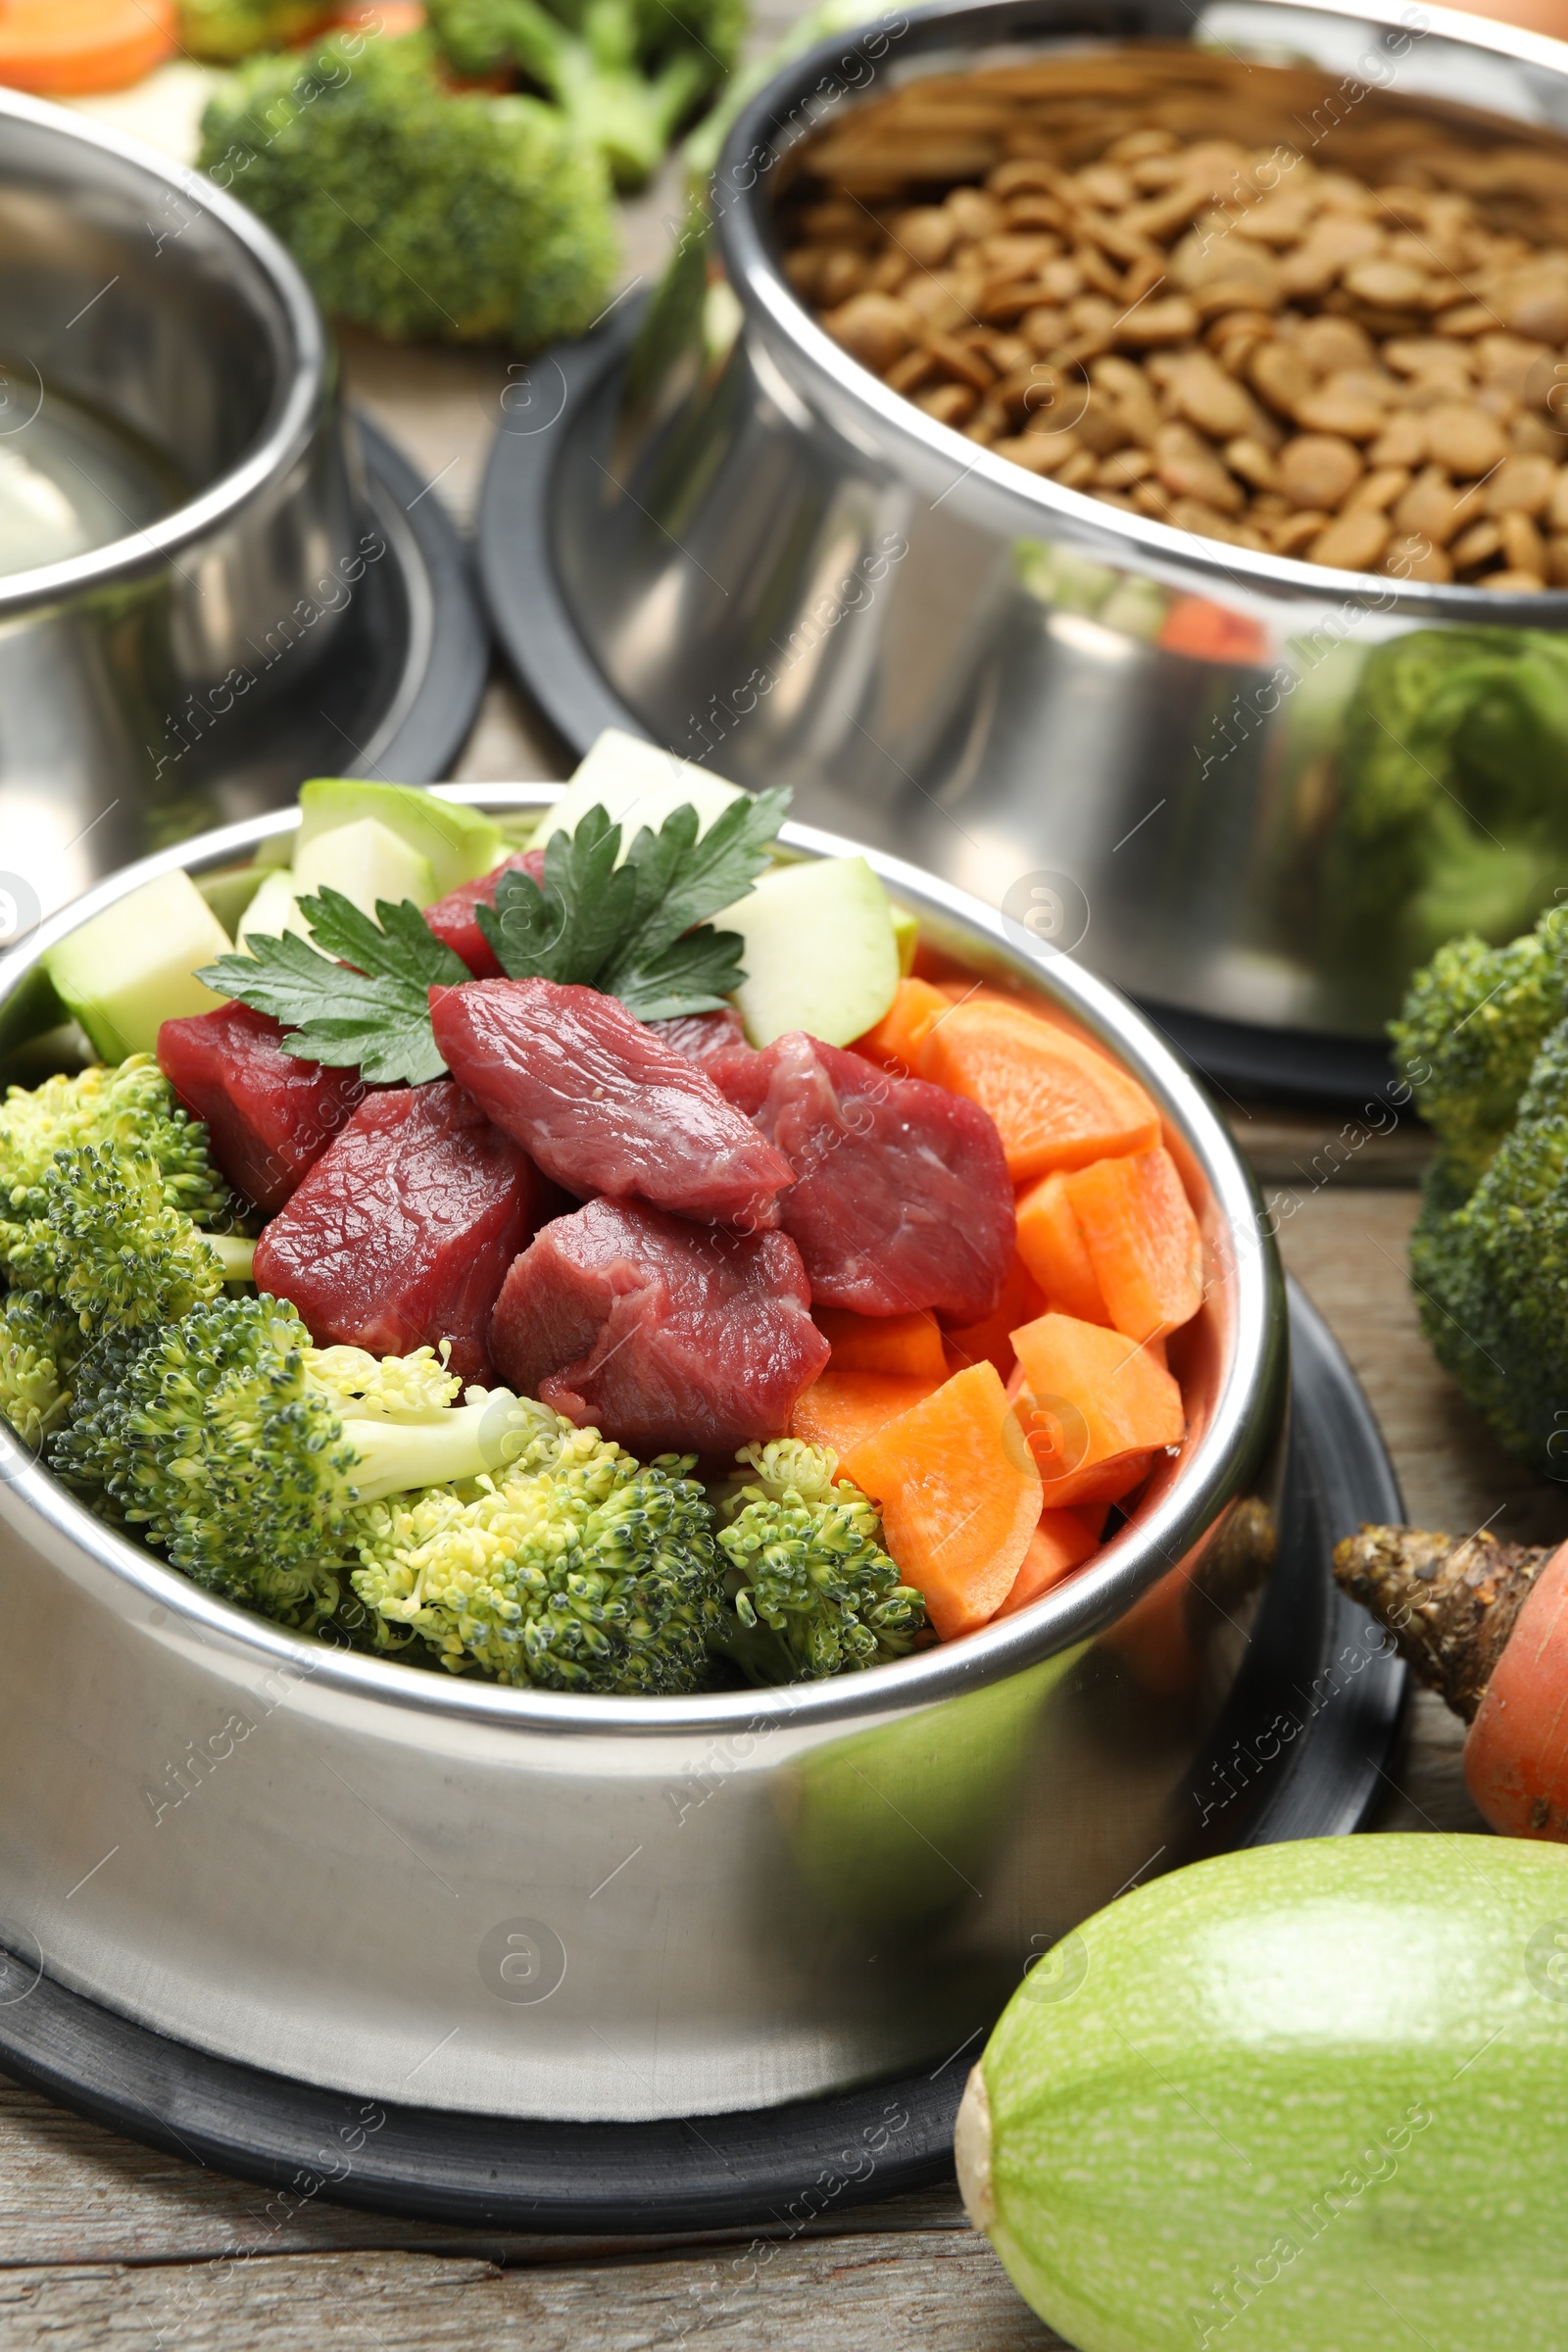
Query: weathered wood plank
x=942, y=2291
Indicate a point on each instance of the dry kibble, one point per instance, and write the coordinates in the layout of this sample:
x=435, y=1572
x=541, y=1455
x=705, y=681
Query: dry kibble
x=1464, y=439
x=1302, y=362
x=1522, y=485
x=1351, y=542
x=1318, y=470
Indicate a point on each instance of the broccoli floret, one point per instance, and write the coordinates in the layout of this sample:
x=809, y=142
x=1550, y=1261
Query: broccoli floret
x=576, y=1570
x=1472, y=1025
x=40, y=1345
x=414, y=210
x=812, y=1591
x=105, y=1242
x=625, y=72
x=130, y=1105
x=1451, y=813
x=239, y=1449
x=221, y=31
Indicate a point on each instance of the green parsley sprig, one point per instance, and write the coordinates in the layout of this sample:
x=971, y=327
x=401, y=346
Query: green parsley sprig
x=358, y=997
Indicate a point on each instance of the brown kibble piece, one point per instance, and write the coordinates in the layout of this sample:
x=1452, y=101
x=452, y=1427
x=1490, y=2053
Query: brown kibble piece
x=1464, y=439
x=1253, y=461
x=1350, y=413
x=1478, y=545
x=1377, y=492
x=1170, y=318
x=948, y=404
x=1328, y=345
x=1413, y=558
x=1429, y=509
x=1295, y=534
x=839, y=274
x=1557, y=510
x=1123, y=467
x=1039, y=453
x=1188, y=468
x=1209, y=399
x=1522, y=485
x=1402, y=442
x=874, y=328
x=927, y=233
x=1523, y=547
x=960, y=362
x=1318, y=470
x=1284, y=378
x=1351, y=543
x=1557, y=562
x=1386, y=285
x=1513, y=583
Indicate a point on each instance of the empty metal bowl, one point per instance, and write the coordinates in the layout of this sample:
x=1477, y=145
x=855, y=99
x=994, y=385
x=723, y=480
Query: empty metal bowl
x=781, y=566
x=445, y=1892
x=182, y=535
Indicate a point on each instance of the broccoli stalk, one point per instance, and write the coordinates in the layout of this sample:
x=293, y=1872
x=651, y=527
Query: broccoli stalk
x=812, y=1591
x=414, y=210
x=242, y=1451
x=625, y=73
x=575, y=1570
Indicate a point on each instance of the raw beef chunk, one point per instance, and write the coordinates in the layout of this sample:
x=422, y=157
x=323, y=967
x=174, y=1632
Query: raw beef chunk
x=454, y=923
x=667, y=1336
x=270, y=1116
x=401, y=1234
x=602, y=1103
x=902, y=1199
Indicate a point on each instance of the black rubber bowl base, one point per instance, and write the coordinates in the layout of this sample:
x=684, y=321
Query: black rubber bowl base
x=1316, y=1662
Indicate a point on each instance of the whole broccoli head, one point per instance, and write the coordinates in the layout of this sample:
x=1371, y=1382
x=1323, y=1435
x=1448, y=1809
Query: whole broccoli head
x=626, y=72
x=576, y=1570
x=40, y=1346
x=1473, y=1023
x=130, y=1106
x=221, y=31
x=414, y=210
x=812, y=1591
x=1451, y=816
x=240, y=1450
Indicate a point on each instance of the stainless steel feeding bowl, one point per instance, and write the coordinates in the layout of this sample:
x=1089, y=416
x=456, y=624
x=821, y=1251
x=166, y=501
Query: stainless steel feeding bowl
x=426, y=1889
x=782, y=566
x=182, y=529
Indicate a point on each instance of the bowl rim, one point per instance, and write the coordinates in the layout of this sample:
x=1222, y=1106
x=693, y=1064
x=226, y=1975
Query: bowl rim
x=303, y=372
x=768, y=129
x=1245, y=1418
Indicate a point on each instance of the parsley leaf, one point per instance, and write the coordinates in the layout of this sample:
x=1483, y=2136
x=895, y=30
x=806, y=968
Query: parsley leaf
x=637, y=931
x=376, y=1016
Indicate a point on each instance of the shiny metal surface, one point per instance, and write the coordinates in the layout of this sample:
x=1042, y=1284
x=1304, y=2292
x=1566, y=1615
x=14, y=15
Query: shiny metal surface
x=139, y=681
x=785, y=568
x=444, y=1892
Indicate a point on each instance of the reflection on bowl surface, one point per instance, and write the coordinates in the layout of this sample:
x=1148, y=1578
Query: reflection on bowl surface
x=69, y=479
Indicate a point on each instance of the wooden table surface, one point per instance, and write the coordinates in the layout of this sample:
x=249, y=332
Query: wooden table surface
x=101, y=2242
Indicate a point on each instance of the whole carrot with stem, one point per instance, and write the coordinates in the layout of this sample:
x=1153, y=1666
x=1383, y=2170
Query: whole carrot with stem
x=1485, y=1623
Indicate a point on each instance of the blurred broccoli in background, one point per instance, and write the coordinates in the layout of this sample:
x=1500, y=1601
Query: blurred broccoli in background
x=626, y=73
x=221, y=31
x=1484, y=1042
x=812, y=1591
x=574, y=1570
x=1452, y=816
x=414, y=210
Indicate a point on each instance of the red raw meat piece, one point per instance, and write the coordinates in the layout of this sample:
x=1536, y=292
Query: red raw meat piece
x=268, y=1115
x=702, y=1036
x=602, y=1103
x=457, y=926
x=902, y=1199
x=667, y=1336
x=401, y=1234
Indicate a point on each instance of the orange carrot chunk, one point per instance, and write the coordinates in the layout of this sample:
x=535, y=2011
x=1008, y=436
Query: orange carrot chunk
x=1060, y=1544
x=896, y=1040
x=1142, y=1239
x=908, y=1344
x=1516, y=1755
x=991, y=1342
x=841, y=1409
x=959, y=1497
x=1051, y=1245
x=1095, y=1408
x=71, y=48
x=1058, y=1103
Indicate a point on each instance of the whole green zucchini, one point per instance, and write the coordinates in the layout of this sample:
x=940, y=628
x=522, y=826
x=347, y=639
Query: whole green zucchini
x=1304, y=2099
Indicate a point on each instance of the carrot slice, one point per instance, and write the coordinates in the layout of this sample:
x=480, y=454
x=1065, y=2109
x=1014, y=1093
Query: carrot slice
x=1142, y=1239
x=841, y=1409
x=991, y=1342
x=1057, y=1103
x=72, y=48
x=1051, y=1245
x=908, y=1344
x=1060, y=1544
x=894, y=1042
x=1094, y=1407
x=959, y=1497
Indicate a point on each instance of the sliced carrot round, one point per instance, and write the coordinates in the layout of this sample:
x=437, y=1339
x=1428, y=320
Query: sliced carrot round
x=74, y=48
